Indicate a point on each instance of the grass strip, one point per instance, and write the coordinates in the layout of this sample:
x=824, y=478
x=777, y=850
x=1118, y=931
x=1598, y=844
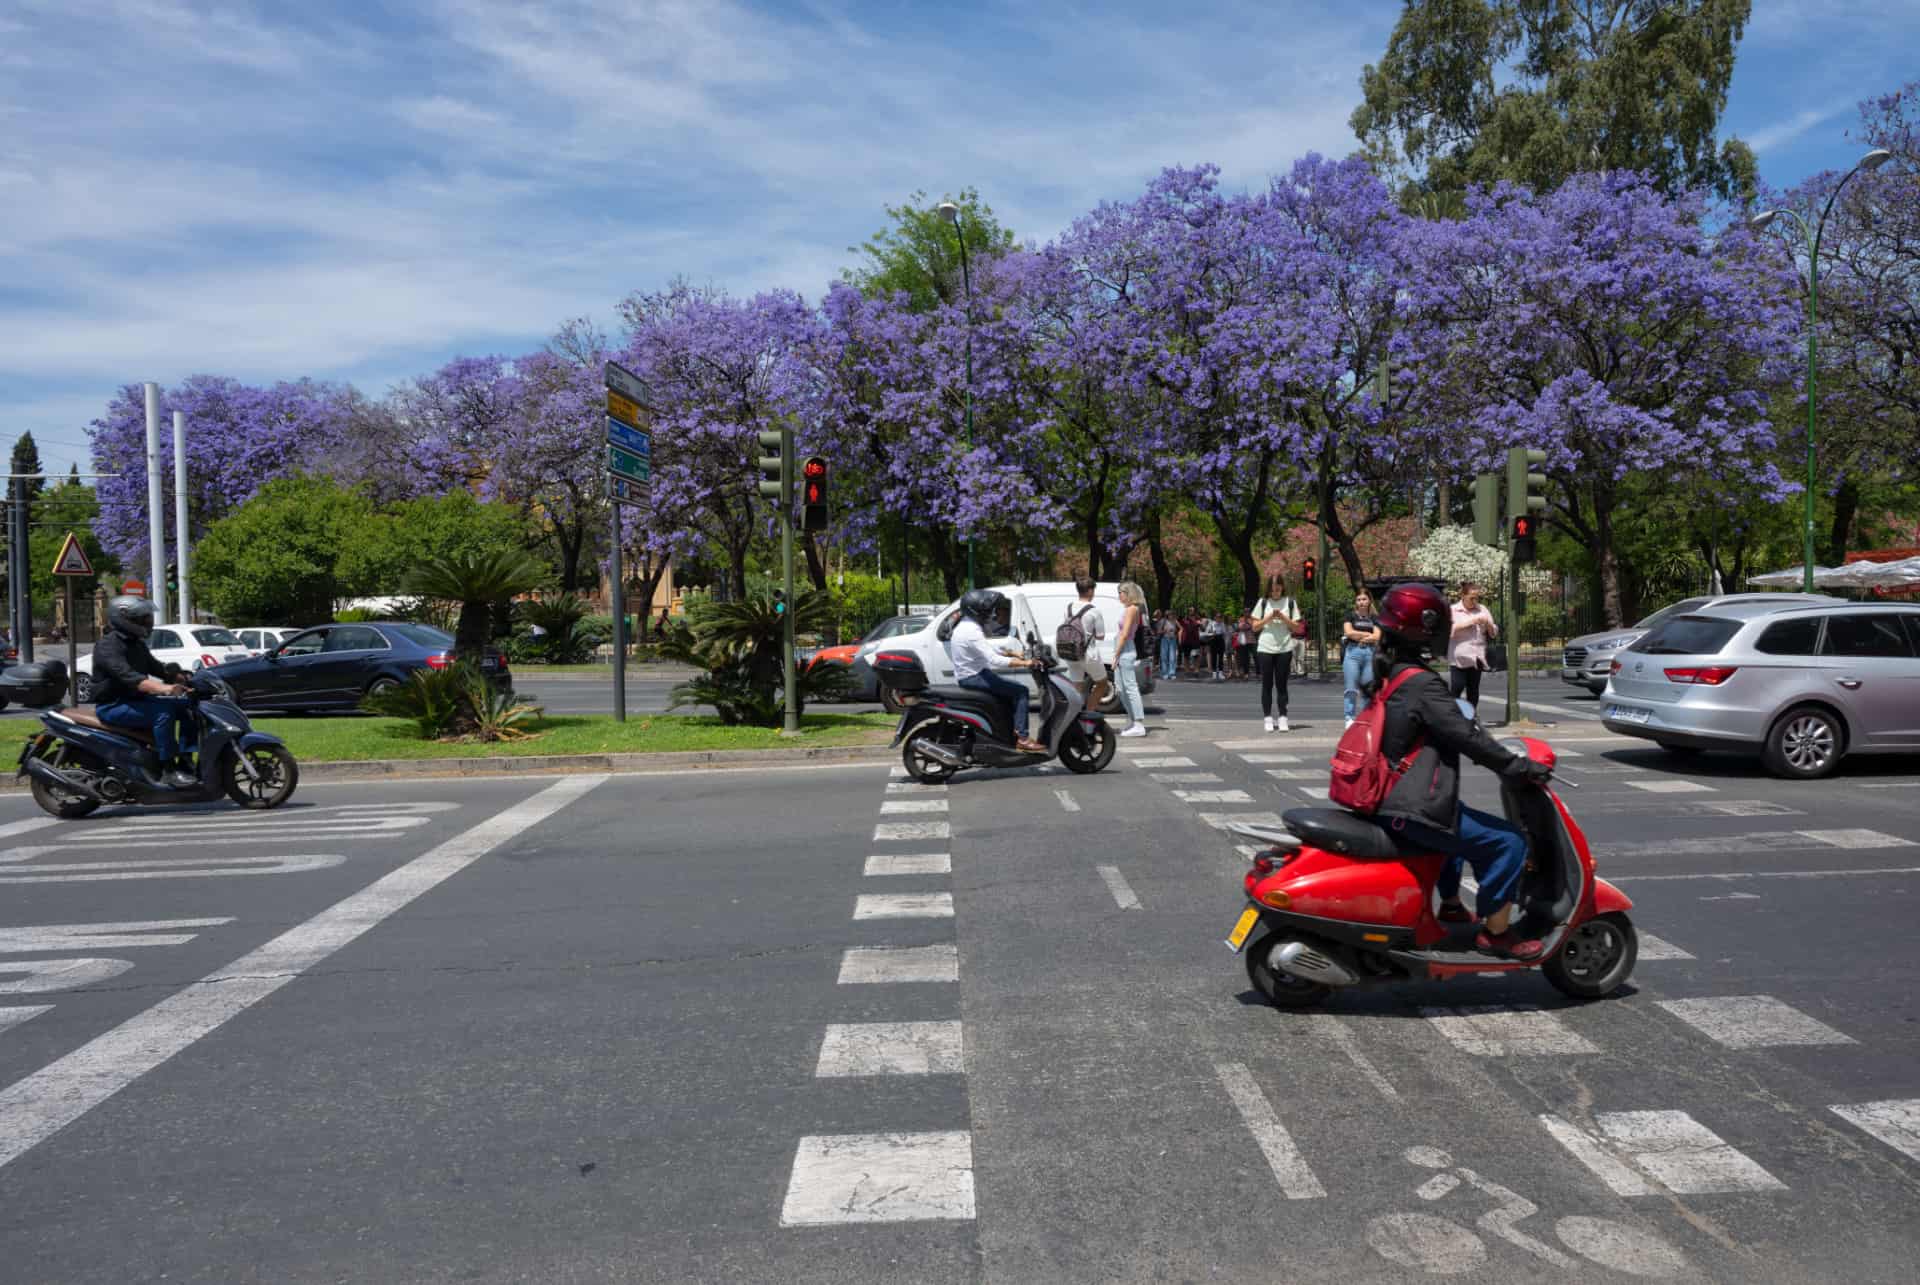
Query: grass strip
x=352, y=738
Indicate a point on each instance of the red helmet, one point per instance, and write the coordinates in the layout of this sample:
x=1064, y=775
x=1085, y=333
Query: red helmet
x=1415, y=612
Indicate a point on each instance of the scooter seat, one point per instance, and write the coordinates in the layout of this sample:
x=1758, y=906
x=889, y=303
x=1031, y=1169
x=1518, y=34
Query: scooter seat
x=961, y=696
x=87, y=718
x=1337, y=830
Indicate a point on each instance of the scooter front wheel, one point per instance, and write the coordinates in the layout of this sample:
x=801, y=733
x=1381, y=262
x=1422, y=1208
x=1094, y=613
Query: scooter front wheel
x=1597, y=958
x=278, y=774
x=1087, y=752
x=1278, y=987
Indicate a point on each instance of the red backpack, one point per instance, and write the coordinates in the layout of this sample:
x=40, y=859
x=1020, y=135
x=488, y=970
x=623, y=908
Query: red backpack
x=1362, y=776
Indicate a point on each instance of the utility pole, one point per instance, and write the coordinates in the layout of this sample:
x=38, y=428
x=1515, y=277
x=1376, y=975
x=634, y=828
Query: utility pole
x=156, y=525
x=180, y=513
x=776, y=484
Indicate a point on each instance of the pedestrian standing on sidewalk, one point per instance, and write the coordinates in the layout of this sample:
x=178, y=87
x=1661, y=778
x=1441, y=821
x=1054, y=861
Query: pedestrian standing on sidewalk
x=1359, y=638
x=1133, y=611
x=1216, y=635
x=1189, y=641
x=1275, y=617
x=1243, y=648
x=1169, y=634
x=1473, y=629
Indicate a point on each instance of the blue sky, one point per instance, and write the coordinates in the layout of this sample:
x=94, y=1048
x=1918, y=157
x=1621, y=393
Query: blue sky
x=357, y=191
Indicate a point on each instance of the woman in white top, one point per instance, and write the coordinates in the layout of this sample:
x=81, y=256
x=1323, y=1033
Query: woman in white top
x=1273, y=619
x=1133, y=614
x=1473, y=628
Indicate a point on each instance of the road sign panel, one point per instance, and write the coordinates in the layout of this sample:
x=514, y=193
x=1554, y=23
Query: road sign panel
x=635, y=468
x=624, y=409
x=73, y=559
x=633, y=440
x=625, y=492
x=626, y=383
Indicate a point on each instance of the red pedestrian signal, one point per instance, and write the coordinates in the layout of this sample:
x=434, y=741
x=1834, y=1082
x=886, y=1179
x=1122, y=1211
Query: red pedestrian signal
x=1523, y=527
x=1308, y=570
x=813, y=494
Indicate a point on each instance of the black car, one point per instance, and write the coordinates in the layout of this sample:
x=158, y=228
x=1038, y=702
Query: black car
x=335, y=666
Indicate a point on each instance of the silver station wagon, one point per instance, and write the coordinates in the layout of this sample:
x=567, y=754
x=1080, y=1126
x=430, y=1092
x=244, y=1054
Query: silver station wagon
x=1804, y=686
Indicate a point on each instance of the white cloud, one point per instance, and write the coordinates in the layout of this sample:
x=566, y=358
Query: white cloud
x=1779, y=133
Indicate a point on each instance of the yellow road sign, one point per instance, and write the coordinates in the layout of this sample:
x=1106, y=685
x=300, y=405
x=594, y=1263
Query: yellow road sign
x=623, y=409
x=72, y=560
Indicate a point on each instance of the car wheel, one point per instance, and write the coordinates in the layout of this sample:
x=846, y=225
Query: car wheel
x=84, y=688
x=1805, y=743
x=1598, y=689
x=381, y=686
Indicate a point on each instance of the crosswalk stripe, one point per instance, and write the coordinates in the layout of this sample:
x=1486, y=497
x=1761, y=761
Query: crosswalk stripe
x=114, y=936
x=939, y=863
x=1259, y=759
x=1671, y=785
x=13, y=1015
x=1652, y=947
x=1637, y=1153
x=916, y=787
x=1759, y=841
x=874, y=965
x=1170, y=760
x=1749, y=808
x=1276, y=1144
x=880, y=1178
x=1506, y=1030
x=1297, y=773
x=1213, y=796
x=903, y=905
x=1752, y=1022
x=899, y=773
x=911, y=831
x=890, y=1048
x=1223, y=820
x=1233, y=746
x=898, y=807
x=1895, y=1122
x=1185, y=778
x=1116, y=882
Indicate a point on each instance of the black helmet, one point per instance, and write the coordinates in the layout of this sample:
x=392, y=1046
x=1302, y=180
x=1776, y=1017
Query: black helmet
x=130, y=615
x=988, y=609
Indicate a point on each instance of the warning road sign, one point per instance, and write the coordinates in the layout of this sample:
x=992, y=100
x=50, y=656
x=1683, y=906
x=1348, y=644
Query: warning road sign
x=72, y=560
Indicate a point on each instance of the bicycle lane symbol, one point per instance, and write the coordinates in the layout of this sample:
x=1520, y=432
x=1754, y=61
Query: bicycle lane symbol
x=1442, y=1247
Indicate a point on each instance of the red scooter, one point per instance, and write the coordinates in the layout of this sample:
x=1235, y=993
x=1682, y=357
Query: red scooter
x=1337, y=901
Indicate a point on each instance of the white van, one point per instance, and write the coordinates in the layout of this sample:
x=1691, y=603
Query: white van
x=1041, y=608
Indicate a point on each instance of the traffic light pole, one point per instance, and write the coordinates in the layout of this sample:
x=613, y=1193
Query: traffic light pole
x=791, y=722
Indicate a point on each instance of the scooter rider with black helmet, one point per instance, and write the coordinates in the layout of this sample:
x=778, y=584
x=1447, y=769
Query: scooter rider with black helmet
x=979, y=645
x=1423, y=808
x=132, y=689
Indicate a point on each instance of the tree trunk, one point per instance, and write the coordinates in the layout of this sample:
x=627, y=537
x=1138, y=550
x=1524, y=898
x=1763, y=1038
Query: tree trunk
x=1445, y=505
x=1239, y=544
x=1341, y=538
x=470, y=635
x=1846, y=507
x=1612, y=604
x=1162, y=569
x=816, y=565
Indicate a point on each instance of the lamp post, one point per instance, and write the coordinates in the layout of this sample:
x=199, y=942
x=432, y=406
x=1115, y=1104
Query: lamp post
x=1811, y=235
x=951, y=213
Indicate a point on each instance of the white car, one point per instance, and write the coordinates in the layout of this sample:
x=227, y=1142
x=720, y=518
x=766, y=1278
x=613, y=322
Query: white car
x=188, y=646
x=260, y=641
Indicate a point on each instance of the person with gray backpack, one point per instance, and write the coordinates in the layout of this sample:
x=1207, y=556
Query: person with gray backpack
x=1078, y=642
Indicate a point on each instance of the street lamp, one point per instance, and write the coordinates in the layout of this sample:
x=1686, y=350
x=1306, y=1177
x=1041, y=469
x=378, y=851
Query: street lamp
x=1871, y=161
x=951, y=213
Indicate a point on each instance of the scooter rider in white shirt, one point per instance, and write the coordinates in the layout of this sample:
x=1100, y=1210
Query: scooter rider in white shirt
x=979, y=646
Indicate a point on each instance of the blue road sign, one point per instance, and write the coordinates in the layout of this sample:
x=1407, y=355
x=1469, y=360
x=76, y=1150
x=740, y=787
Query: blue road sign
x=632, y=440
x=625, y=492
x=635, y=468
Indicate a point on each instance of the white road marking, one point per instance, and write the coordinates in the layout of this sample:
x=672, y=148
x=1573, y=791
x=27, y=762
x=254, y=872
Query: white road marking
x=35, y=1108
x=1857, y=839
x=1638, y=1152
x=13, y=1015
x=1732, y=896
x=1171, y=760
x=1289, y=1167
x=1258, y=759
x=172, y=821
x=1184, y=778
x=170, y=868
x=1067, y=802
x=1297, y=773
x=880, y=1178
x=38, y=976
x=27, y=826
x=1887, y=785
x=916, y=787
x=1760, y=841
x=1749, y=808
x=1213, y=796
x=1652, y=947
x=117, y=936
x=903, y=905
x=899, y=773
x=1336, y=1031
x=339, y=832
x=1672, y=785
x=1117, y=885
x=939, y=863
x=1762, y=874
x=868, y=965
x=911, y=831
x=1231, y=746
x=1224, y=820
x=1560, y=709
x=1895, y=1122
x=898, y=807
x=890, y=1048
x=1506, y=1030
x=1752, y=1022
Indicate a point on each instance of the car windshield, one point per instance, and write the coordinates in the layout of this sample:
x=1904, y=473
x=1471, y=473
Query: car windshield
x=216, y=638
x=1689, y=636
x=1670, y=611
x=424, y=635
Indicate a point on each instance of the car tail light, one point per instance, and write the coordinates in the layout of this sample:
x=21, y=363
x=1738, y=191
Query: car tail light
x=1614, y=668
x=207, y=662
x=1705, y=676
x=439, y=660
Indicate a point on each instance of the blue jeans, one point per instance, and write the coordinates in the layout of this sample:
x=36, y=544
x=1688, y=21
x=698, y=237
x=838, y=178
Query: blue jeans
x=1356, y=667
x=164, y=716
x=1169, y=657
x=1492, y=845
x=1126, y=681
x=1007, y=690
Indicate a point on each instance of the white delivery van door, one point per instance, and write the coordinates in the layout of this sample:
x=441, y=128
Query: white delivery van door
x=1024, y=623
x=939, y=661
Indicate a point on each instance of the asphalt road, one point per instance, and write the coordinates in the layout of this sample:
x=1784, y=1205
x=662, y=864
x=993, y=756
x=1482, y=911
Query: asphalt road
x=821, y=1024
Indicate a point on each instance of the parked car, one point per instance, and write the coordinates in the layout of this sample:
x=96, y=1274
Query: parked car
x=1588, y=659
x=259, y=641
x=336, y=666
x=1803, y=685
x=862, y=685
x=1038, y=608
x=188, y=646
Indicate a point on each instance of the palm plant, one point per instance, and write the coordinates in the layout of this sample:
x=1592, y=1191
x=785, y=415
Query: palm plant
x=475, y=580
x=498, y=714
x=738, y=644
x=433, y=700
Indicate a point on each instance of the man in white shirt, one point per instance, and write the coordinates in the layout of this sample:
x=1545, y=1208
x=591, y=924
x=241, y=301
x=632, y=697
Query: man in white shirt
x=1090, y=671
x=976, y=656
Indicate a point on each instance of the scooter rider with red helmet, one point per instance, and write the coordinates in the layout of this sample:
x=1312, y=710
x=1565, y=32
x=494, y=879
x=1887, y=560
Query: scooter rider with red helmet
x=1423, y=809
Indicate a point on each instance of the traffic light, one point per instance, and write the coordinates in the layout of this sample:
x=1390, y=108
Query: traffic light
x=813, y=494
x=1486, y=510
x=779, y=602
x=1522, y=549
x=1523, y=496
x=774, y=470
x=1308, y=570
x=173, y=581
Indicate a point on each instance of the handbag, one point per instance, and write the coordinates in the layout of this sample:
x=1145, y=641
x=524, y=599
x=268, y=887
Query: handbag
x=1299, y=627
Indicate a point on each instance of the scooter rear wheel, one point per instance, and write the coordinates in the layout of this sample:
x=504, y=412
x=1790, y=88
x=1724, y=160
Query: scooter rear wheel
x=1085, y=752
x=1278, y=988
x=279, y=773
x=923, y=767
x=1597, y=958
x=57, y=802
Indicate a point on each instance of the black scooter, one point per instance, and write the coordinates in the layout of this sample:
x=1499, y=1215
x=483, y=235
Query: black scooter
x=950, y=728
x=77, y=763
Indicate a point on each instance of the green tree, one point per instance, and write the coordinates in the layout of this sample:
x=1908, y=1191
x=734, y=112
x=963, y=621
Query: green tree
x=71, y=506
x=1470, y=92
x=408, y=534
x=276, y=559
x=26, y=459
x=476, y=579
x=918, y=252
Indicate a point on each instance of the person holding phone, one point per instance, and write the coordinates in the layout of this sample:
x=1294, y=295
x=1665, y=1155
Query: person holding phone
x=1276, y=617
x=1473, y=629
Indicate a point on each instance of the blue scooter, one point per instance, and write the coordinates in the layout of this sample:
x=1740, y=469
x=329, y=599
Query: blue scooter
x=78, y=763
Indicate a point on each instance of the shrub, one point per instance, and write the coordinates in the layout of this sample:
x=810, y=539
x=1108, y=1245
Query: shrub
x=497, y=714
x=433, y=700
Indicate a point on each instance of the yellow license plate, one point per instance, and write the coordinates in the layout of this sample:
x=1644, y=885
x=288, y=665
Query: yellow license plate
x=1238, y=937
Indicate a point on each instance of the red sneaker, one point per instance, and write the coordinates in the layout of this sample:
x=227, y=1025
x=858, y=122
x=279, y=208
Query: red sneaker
x=1454, y=914
x=1509, y=945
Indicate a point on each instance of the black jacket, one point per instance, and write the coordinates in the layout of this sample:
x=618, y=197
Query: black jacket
x=1430, y=791
x=119, y=663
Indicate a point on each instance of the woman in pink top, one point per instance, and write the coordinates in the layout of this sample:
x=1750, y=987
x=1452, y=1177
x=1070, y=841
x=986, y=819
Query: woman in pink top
x=1473, y=628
